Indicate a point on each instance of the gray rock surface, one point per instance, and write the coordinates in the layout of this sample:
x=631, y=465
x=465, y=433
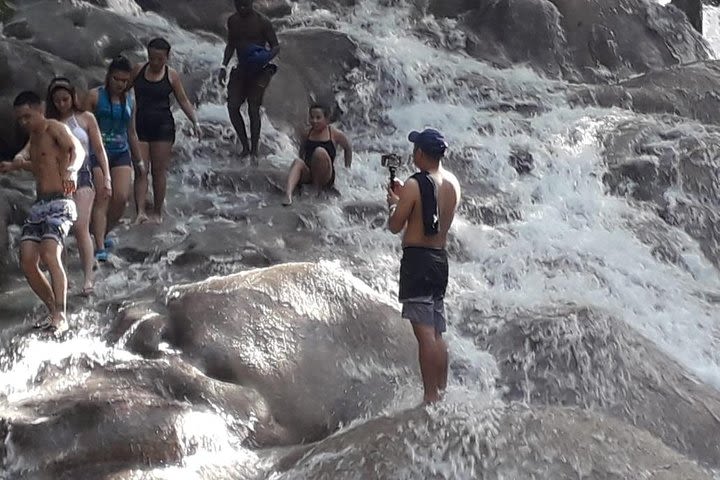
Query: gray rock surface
x=320, y=346
x=579, y=357
x=465, y=440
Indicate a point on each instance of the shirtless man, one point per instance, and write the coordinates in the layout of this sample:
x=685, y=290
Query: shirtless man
x=425, y=207
x=249, y=35
x=54, y=156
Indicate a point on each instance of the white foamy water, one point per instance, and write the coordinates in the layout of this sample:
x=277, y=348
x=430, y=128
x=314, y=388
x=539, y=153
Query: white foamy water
x=572, y=243
x=711, y=28
x=567, y=219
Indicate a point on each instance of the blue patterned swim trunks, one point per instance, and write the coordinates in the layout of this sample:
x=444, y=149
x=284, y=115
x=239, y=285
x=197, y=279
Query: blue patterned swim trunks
x=50, y=219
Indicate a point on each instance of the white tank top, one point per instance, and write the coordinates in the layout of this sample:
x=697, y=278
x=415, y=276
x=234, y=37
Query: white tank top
x=79, y=132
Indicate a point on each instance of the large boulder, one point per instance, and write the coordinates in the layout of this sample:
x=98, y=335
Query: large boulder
x=464, y=440
x=313, y=64
x=489, y=35
x=685, y=90
x=6, y=10
x=46, y=39
x=210, y=15
x=81, y=34
x=579, y=357
x=15, y=201
x=319, y=345
x=581, y=40
x=693, y=9
x=125, y=415
x=24, y=67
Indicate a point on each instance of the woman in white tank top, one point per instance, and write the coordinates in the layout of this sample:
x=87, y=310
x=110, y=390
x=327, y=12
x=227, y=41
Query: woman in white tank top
x=62, y=106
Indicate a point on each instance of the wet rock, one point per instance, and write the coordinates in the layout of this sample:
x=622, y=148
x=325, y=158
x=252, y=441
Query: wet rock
x=130, y=415
x=687, y=91
x=372, y=213
x=336, y=5
x=130, y=316
x=586, y=40
x=489, y=35
x=675, y=167
x=313, y=64
x=244, y=179
x=24, y=67
x=274, y=8
x=318, y=344
x=493, y=443
x=210, y=15
x=488, y=211
x=6, y=10
x=90, y=35
x=15, y=202
x=693, y=11
x=579, y=357
x=227, y=243
x=522, y=161
x=147, y=336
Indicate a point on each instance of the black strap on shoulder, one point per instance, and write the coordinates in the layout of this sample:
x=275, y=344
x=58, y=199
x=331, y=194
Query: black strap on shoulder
x=428, y=199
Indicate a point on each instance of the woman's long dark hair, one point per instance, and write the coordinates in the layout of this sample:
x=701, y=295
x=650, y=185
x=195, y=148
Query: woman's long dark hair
x=118, y=64
x=60, y=83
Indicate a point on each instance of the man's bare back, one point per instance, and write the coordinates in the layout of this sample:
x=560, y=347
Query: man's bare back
x=448, y=197
x=253, y=29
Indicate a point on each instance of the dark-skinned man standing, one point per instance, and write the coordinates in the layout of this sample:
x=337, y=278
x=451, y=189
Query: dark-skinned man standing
x=252, y=38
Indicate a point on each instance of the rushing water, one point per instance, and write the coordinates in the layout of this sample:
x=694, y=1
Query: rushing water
x=569, y=242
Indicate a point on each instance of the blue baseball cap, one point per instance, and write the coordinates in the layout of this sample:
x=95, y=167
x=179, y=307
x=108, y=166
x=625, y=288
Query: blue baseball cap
x=429, y=141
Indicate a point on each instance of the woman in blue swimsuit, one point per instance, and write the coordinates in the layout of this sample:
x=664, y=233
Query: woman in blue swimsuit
x=114, y=108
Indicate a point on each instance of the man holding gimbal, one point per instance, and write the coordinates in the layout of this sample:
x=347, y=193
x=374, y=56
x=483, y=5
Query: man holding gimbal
x=425, y=207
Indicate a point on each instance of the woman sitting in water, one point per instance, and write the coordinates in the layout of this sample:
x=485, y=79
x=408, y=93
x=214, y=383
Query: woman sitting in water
x=154, y=83
x=114, y=108
x=62, y=105
x=316, y=164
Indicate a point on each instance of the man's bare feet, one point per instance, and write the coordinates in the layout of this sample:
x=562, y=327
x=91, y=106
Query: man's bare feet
x=430, y=399
x=287, y=202
x=141, y=218
x=156, y=219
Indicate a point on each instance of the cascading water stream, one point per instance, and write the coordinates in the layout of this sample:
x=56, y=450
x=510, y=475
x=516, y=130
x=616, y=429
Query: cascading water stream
x=565, y=240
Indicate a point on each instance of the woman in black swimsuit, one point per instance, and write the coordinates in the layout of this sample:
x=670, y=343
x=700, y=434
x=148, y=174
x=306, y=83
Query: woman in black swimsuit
x=317, y=154
x=154, y=82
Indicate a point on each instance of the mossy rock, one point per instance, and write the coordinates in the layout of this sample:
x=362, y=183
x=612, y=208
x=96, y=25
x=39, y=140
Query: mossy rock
x=6, y=10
